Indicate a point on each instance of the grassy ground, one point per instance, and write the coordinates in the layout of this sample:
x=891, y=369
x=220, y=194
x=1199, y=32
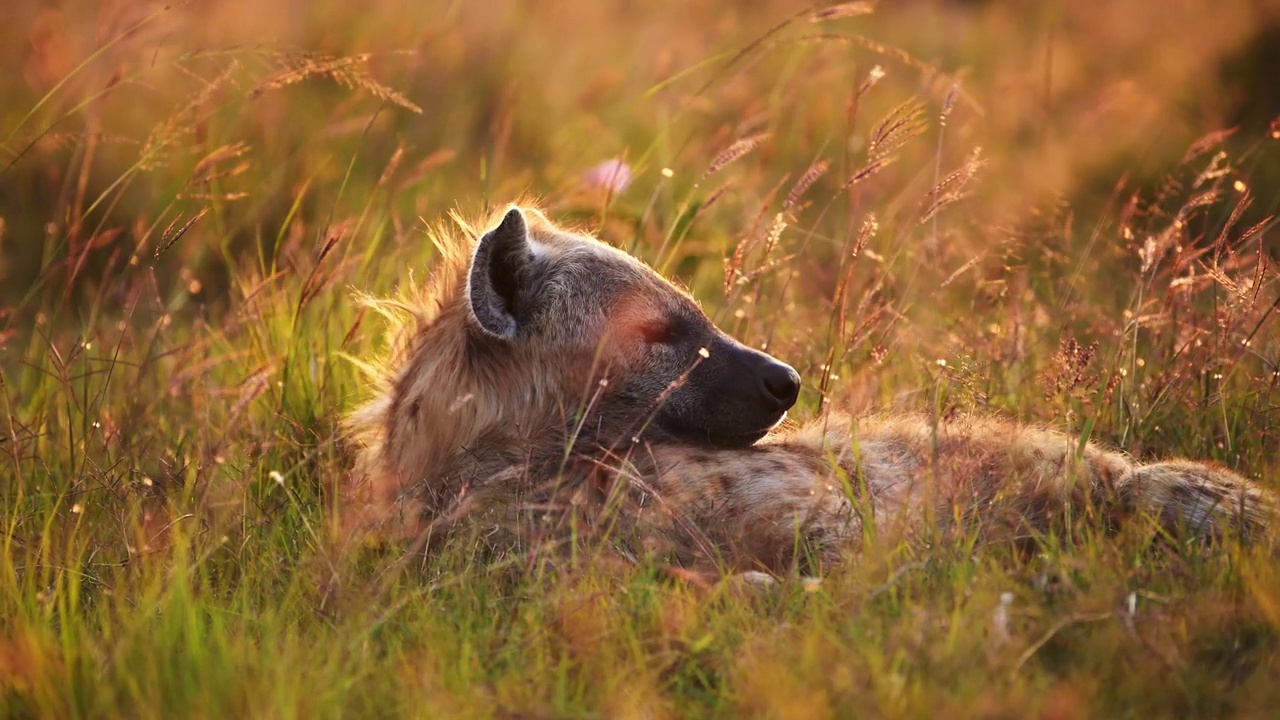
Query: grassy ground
x=1019, y=208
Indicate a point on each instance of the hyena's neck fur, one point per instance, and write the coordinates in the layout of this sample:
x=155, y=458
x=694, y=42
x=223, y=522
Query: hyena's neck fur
x=452, y=417
x=451, y=414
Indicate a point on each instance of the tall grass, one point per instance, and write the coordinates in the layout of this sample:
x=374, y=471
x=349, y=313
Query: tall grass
x=188, y=208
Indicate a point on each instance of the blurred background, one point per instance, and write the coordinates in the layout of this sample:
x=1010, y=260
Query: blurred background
x=119, y=115
x=996, y=169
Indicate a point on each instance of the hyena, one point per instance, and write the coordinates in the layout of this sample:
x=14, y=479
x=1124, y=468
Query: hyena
x=543, y=373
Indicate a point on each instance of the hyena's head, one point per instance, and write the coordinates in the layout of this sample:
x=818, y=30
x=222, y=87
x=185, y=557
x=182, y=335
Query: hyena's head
x=539, y=336
x=577, y=311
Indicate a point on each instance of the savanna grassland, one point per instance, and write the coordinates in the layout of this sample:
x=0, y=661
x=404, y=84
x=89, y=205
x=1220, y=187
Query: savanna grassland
x=1054, y=211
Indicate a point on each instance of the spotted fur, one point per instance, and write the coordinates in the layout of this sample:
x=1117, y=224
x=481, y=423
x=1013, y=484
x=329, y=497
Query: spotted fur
x=542, y=375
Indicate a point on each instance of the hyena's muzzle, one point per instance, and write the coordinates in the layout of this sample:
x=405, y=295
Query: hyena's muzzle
x=731, y=397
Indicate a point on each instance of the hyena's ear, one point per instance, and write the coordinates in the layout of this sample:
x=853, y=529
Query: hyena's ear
x=498, y=279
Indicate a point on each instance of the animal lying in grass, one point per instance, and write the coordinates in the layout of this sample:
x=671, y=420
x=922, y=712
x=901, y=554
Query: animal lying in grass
x=544, y=378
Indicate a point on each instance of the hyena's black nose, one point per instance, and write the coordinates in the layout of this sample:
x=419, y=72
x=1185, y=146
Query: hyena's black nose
x=781, y=384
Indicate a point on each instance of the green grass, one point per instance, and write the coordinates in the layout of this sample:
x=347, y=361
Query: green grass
x=188, y=209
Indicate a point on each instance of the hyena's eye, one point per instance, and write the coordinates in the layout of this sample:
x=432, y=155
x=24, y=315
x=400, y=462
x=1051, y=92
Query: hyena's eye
x=661, y=332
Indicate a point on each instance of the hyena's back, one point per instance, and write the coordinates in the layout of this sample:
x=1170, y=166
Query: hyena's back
x=815, y=489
